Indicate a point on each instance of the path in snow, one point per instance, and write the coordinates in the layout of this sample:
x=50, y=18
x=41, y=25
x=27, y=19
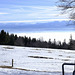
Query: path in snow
x=31, y=73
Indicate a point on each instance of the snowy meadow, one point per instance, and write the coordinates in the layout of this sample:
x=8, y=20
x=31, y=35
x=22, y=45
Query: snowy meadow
x=37, y=61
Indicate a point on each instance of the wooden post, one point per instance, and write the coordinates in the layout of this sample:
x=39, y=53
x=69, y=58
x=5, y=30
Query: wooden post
x=12, y=62
x=74, y=66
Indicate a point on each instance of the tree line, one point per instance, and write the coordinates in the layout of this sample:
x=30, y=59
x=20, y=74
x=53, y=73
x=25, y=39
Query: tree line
x=14, y=40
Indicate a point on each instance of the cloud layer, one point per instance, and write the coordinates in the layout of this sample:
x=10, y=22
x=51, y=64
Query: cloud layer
x=29, y=10
x=37, y=27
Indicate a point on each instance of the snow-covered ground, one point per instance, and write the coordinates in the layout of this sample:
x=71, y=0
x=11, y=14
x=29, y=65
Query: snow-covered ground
x=39, y=61
x=19, y=72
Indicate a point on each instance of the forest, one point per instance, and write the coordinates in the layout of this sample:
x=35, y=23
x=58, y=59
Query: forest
x=14, y=40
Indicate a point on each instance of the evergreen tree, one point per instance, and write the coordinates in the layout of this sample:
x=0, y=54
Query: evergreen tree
x=25, y=41
x=50, y=43
x=12, y=39
x=71, y=42
x=15, y=37
x=34, y=40
x=3, y=37
x=7, y=38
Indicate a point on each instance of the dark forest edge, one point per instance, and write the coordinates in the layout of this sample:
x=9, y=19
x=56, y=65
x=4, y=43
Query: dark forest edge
x=14, y=40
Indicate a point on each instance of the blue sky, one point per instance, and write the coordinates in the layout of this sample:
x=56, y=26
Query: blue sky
x=29, y=11
x=32, y=17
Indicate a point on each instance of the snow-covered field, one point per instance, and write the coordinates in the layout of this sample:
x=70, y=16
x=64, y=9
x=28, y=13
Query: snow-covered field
x=39, y=61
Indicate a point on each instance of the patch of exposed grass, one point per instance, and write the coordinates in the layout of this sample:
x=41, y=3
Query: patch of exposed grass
x=8, y=47
x=36, y=49
x=65, y=59
x=5, y=66
x=10, y=67
x=60, y=55
x=62, y=59
x=68, y=56
x=40, y=57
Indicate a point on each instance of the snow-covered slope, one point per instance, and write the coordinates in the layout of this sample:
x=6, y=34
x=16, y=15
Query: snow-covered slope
x=36, y=59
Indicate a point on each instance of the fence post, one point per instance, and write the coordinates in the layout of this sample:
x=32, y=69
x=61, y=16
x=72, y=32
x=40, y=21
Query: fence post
x=74, y=66
x=12, y=62
x=63, y=69
x=74, y=69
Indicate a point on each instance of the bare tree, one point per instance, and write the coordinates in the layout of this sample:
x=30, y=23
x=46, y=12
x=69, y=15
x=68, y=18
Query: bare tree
x=68, y=6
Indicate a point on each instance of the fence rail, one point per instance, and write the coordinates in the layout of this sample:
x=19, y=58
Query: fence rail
x=67, y=64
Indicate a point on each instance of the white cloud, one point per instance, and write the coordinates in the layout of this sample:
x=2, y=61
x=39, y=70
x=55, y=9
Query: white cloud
x=3, y=13
x=35, y=21
x=32, y=14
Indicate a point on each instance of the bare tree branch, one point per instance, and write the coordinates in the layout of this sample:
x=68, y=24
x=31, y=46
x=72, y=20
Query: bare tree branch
x=67, y=6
